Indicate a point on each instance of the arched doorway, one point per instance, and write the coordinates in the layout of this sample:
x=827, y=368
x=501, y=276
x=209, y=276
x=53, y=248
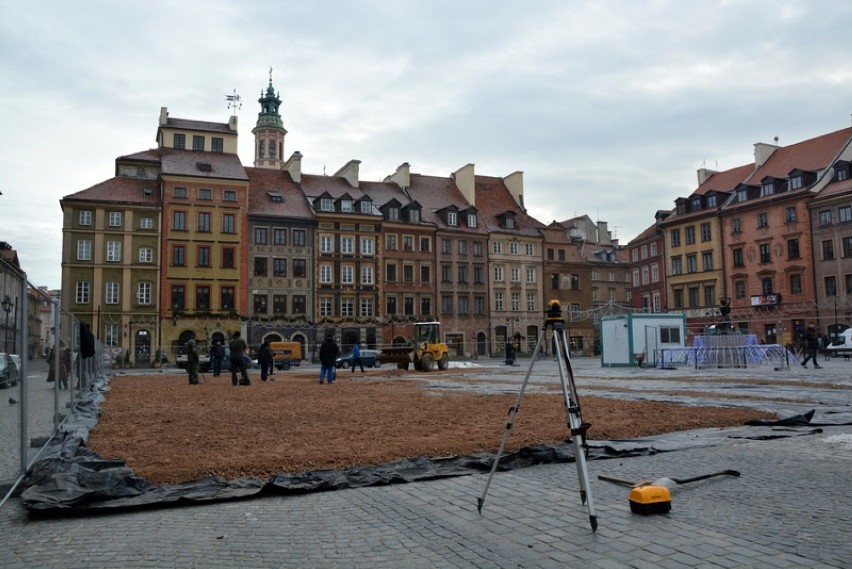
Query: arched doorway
x=142, y=341
x=481, y=344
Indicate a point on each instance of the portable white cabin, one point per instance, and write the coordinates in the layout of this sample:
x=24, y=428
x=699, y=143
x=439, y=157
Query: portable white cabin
x=627, y=338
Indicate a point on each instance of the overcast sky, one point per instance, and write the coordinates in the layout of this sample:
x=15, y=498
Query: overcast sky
x=608, y=107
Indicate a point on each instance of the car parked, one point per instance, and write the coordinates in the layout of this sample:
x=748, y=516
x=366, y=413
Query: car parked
x=10, y=368
x=370, y=358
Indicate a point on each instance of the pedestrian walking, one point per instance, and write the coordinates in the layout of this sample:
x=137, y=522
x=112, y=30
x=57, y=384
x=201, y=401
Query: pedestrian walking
x=811, y=342
x=238, y=364
x=356, y=357
x=265, y=359
x=192, y=362
x=328, y=354
x=217, y=354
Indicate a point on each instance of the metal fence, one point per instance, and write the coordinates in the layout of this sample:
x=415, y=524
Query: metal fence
x=40, y=389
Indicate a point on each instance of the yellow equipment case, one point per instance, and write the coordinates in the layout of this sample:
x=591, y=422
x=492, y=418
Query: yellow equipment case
x=650, y=500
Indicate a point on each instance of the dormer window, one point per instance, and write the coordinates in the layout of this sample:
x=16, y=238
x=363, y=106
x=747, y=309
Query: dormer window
x=366, y=207
x=414, y=216
x=841, y=172
x=509, y=221
x=696, y=203
x=471, y=220
x=711, y=200
x=742, y=195
x=452, y=218
x=768, y=188
x=393, y=214
x=796, y=182
x=276, y=197
x=204, y=167
x=326, y=204
x=346, y=205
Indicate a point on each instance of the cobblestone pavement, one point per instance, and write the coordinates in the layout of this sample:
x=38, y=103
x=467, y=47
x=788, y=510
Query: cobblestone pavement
x=789, y=508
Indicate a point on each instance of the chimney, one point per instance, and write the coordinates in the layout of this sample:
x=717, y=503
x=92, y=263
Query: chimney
x=603, y=233
x=466, y=181
x=515, y=183
x=294, y=166
x=402, y=176
x=762, y=152
x=704, y=175
x=164, y=116
x=349, y=172
x=232, y=123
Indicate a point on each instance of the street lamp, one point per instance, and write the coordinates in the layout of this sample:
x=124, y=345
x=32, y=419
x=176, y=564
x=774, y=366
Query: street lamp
x=834, y=331
x=7, y=308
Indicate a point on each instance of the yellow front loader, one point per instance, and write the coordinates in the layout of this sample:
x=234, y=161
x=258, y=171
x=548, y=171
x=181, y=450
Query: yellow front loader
x=425, y=350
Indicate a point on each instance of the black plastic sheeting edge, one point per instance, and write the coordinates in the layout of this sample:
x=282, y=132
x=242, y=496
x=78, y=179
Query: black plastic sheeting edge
x=70, y=479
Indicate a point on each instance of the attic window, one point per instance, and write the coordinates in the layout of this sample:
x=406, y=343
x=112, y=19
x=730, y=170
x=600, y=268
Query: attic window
x=326, y=204
x=742, y=195
x=510, y=221
x=796, y=182
x=451, y=218
x=471, y=220
x=346, y=205
x=204, y=167
x=275, y=196
x=767, y=189
x=147, y=191
x=366, y=207
x=696, y=203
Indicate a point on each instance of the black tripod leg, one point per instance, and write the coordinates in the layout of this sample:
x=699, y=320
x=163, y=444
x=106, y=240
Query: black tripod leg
x=575, y=424
x=513, y=411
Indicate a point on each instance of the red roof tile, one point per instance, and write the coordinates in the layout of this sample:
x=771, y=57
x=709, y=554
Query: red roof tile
x=120, y=189
x=262, y=181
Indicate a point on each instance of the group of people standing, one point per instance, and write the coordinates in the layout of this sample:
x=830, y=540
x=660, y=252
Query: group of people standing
x=328, y=353
x=238, y=349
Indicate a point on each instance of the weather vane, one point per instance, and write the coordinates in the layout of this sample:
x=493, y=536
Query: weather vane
x=235, y=102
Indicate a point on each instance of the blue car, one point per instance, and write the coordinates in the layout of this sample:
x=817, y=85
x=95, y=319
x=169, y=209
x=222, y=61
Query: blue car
x=370, y=358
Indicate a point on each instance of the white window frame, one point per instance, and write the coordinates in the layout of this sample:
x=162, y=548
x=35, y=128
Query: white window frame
x=326, y=306
x=326, y=244
x=82, y=292
x=146, y=255
x=85, y=217
x=366, y=307
x=111, y=334
x=346, y=205
x=146, y=223
x=326, y=204
x=452, y=218
x=367, y=246
x=513, y=248
x=471, y=220
x=326, y=274
x=498, y=247
x=516, y=274
x=115, y=219
x=113, y=251
x=531, y=274
x=84, y=249
x=347, y=245
x=498, y=273
x=367, y=275
x=112, y=292
x=143, y=293
x=347, y=274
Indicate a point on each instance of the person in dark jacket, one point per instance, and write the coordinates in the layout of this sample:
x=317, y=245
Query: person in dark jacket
x=328, y=354
x=238, y=364
x=192, y=362
x=217, y=354
x=265, y=359
x=811, y=339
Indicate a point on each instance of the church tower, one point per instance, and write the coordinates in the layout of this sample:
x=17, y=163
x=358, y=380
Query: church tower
x=269, y=132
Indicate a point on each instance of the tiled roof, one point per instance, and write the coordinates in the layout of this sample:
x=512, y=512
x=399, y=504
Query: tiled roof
x=120, y=189
x=150, y=155
x=314, y=186
x=383, y=192
x=651, y=231
x=177, y=162
x=835, y=189
x=262, y=181
x=187, y=124
x=725, y=181
x=434, y=193
x=493, y=199
x=811, y=155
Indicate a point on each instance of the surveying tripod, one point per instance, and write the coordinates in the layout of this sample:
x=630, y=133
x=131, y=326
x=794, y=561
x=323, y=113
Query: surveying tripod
x=572, y=412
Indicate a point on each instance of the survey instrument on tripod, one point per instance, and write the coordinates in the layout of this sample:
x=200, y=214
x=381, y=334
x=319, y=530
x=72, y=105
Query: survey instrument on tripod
x=576, y=427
